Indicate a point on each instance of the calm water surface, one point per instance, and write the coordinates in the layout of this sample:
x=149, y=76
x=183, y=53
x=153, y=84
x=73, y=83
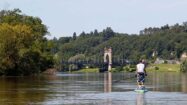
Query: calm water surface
x=93, y=89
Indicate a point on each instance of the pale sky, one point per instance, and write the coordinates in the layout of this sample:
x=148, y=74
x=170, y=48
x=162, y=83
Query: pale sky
x=64, y=17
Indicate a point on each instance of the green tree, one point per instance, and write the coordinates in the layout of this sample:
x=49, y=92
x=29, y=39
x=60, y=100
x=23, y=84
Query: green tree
x=23, y=48
x=74, y=36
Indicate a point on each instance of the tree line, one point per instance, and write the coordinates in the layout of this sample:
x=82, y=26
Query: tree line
x=24, y=50
x=167, y=42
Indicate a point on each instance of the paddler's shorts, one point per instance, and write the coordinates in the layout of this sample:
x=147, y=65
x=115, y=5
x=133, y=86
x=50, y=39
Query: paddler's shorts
x=141, y=77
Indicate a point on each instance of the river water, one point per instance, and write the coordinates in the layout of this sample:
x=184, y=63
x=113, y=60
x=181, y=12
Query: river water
x=168, y=88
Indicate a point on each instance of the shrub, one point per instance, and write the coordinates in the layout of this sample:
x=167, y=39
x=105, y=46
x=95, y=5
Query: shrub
x=126, y=68
x=165, y=62
x=183, y=66
x=119, y=68
x=156, y=68
x=130, y=68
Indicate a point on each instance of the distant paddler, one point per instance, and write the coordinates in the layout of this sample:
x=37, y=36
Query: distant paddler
x=141, y=73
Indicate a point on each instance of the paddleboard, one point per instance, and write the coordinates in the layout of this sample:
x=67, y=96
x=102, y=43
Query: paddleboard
x=141, y=90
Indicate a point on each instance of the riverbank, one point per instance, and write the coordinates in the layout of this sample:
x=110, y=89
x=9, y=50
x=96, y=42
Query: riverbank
x=89, y=70
x=164, y=67
x=150, y=68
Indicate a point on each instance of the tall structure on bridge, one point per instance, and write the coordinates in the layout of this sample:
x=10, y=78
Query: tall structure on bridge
x=108, y=57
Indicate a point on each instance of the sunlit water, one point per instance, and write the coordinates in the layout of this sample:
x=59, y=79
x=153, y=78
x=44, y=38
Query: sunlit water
x=94, y=89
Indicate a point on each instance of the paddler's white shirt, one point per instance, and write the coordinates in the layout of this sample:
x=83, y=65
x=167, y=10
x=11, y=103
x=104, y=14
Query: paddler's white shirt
x=140, y=67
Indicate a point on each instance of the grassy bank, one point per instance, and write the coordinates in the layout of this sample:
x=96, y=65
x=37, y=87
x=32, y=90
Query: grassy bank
x=164, y=67
x=151, y=67
x=89, y=70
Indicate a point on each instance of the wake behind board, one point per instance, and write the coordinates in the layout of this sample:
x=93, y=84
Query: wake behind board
x=141, y=90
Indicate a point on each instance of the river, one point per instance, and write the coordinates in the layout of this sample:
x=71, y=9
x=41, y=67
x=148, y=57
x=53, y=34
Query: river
x=165, y=88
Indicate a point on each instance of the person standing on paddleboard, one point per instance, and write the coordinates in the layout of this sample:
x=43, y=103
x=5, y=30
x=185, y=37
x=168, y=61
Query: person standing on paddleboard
x=141, y=73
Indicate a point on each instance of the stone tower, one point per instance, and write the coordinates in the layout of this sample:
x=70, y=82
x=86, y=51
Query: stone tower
x=108, y=53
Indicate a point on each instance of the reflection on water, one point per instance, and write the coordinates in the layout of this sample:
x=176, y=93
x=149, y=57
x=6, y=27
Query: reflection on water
x=108, y=86
x=108, y=82
x=93, y=89
x=140, y=99
x=168, y=82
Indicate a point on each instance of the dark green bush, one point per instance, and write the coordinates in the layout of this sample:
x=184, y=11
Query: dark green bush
x=119, y=68
x=130, y=68
x=183, y=66
x=126, y=68
x=156, y=68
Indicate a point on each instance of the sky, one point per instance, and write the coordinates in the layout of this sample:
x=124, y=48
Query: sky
x=64, y=17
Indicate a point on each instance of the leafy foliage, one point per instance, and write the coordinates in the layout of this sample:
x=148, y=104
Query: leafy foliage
x=23, y=48
x=169, y=42
x=183, y=66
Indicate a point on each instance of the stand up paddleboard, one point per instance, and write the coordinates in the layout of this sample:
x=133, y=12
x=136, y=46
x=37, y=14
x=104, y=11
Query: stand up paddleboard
x=139, y=90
